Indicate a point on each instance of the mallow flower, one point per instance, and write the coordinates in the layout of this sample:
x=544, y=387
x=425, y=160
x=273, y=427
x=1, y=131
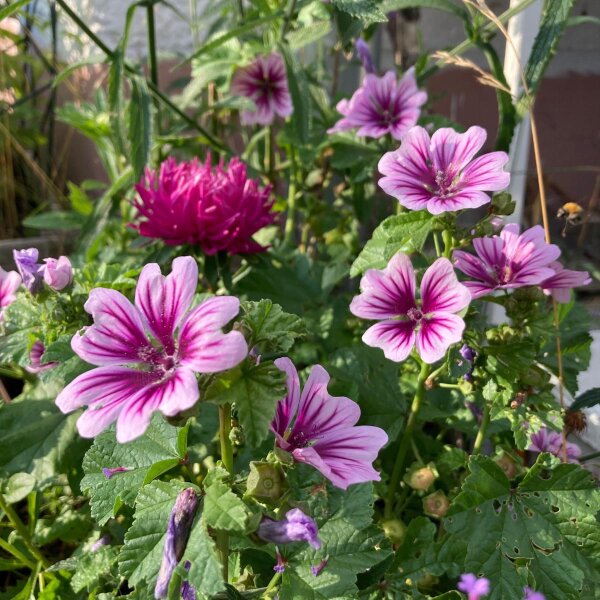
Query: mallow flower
x=431, y=325
x=294, y=527
x=9, y=284
x=29, y=268
x=474, y=587
x=320, y=430
x=218, y=209
x=546, y=440
x=440, y=173
x=532, y=594
x=382, y=105
x=148, y=353
x=510, y=260
x=560, y=284
x=57, y=273
x=264, y=81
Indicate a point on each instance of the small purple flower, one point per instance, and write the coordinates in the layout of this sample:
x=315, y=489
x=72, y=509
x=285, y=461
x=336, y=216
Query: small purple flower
x=531, y=595
x=148, y=354
x=102, y=541
x=508, y=261
x=9, y=284
x=439, y=173
x=472, y=586
x=364, y=54
x=497, y=223
x=35, y=359
x=320, y=430
x=316, y=569
x=468, y=353
x=264, y=81
x=560, y=284
x=28, y=267
x=187, y=590
x=295, y=527
x=382, y=105
x=108, y=473
x=389, y=296
x=178, y=531
x=57, y=273
x=281, y=563
x=546, y=440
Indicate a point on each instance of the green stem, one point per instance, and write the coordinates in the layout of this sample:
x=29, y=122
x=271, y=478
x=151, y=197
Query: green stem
x=590, y=456
x=288, y=18
x=485, y=421
x=222, y=537
x=17, y=554
x=447, y=237
x=272, y=585
x=20, y=528
x=436, y=241
x=152, y=60
x=290, y=220
x=406, y=439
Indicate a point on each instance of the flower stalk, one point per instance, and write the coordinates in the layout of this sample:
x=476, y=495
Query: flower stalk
x=485, y=421
x=222, y=537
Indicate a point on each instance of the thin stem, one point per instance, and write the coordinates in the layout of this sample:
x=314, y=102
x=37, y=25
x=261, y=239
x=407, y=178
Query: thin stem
x=288, y=18
x=589, y=456
x=240, y=5
x=290, y=221
x=272, y=585
x=20, y=528
x=17, y=554
x=485, y=421
x=447, y=237
x=222, y=537
x=152, y=60
x=406, y=439
x=436, y=242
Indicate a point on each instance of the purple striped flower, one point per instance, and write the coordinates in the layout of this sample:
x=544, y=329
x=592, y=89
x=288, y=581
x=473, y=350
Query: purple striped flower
x=508, y=261
x=474, y=587
x=264, y=81
x=560, y=284
x=57, y=273
x=35, y=359
x=431, y=325
x=382, y=105
x=148, y=354
x=439, y=173
x=320, y=430
x=295, y=527
x=9, y=284
x=546, y=440
x=28, y=267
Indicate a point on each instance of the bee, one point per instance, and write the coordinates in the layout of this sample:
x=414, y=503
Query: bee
x=572, y=213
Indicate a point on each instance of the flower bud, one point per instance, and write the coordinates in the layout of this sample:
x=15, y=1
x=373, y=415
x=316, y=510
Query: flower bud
x=57, y=274
x=436, y=505
x=102, y=541
x=266, y=481
x=421, y=478
x=394, y=529
x=28, y=267
x=178, y=531
x=364, y=54
x=35, y=359
x=108, y=473
x=295, y=527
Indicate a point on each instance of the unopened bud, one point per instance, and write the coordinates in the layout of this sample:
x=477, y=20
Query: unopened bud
x=394, y=529
x=266, y=481
x=436, y=505
x=421, y=478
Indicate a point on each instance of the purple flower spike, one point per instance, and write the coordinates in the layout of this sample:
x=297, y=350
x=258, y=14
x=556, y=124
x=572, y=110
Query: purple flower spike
x=508, y=261
x=295, y=527
x=439, y=174
x=108, y=473
x=316, y=569
x=531, y=595
x=382, y=105
x=389, y=296
x=364, y=54
x=265, y=83
x=472, y=586
x=57, y=274
x=320, y=430
x=178, y=531
x=28, y=267
x=9, y=284
x=546, y=440
x=148, y=354
x=560, y=284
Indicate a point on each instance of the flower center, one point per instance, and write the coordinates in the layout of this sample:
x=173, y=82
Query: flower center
x=503, y=273
x=414, y=314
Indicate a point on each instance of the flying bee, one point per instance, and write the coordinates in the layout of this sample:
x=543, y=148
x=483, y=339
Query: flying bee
x=572, y=213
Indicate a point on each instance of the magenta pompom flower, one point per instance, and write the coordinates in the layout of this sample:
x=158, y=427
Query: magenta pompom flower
x=560, y=284
x=431, y=325
x=508, y=261
x=148, y=354
x=264, y=81
x=320, y=429
x=9, y=284
x=382, y=105
x=440, y=174
x=218, y=209
x=474, y=587
x=546, y=440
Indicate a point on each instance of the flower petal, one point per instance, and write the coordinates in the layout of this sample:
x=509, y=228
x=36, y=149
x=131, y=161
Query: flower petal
x=460, y=200
x=288, y=406
x=396, y=338
x=441, y=290
x=387, y=293
x=485, y=173
x=437, y=333
x=452, y=151
x=163, y=301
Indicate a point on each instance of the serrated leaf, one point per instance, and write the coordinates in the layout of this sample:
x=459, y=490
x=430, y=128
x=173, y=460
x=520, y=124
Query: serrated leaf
x=367, y=11
x=139, y=125
x=406, y=232
x=223, y=509
x=551, y=512
x=91, y=566
x=387, y=6
x=146, y=458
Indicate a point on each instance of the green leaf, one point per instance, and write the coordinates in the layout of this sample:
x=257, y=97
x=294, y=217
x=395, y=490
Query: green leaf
x=587, y=399
x=367, y=11
x=387, y=6
x=548, y=523
x=18, y=487
x=406, y=232
x=56, y=219
x=222, y=508
x=255, y=391
x=140, y=125
x=12, y=8
x=93, y=565
x=552, y=26
x=146, y=458
x=141, y=555
x=271, y=326
x=299, y=90
x=308, y=34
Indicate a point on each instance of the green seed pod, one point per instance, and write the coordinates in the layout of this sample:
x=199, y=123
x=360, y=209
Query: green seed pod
x=394, y=529
x=266, y=481
x=436, y=505
x=421, y=478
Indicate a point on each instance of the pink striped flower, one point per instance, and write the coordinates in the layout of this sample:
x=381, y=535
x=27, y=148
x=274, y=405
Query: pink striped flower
x=440, y=173
x=431, y=324
x=382, y=105
x=320, y=430
x=560, y=284
x=148, y=353
x=264, y=81
x=508, y=261
x=546, y=440
x=9, y=284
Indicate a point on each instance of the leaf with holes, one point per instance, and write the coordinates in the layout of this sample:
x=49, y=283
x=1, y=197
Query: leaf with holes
x=548, y=523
